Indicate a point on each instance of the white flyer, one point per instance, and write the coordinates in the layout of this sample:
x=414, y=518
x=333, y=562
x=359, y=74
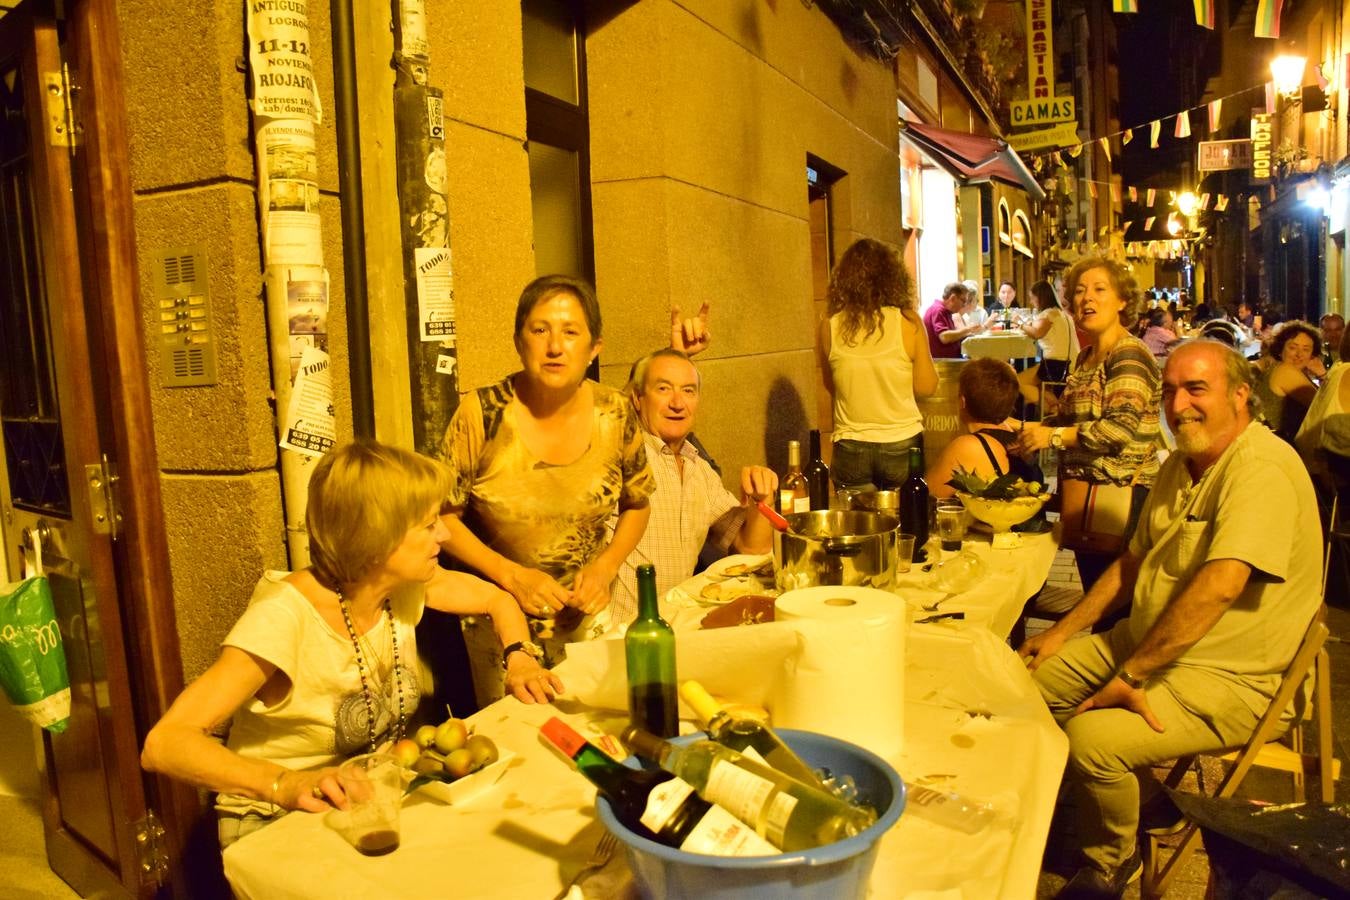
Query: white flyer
x=435, y=295
x=310, y=426
x=280, y=60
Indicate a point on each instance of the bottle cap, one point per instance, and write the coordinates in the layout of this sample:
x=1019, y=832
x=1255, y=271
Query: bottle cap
x=705, y=707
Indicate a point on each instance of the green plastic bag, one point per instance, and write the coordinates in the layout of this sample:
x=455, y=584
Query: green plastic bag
x=32, y=657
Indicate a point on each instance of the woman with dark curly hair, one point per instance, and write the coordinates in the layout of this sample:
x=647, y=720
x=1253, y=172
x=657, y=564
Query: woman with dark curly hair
x=1107, y=427
x=874, y=354
x=1286, y=384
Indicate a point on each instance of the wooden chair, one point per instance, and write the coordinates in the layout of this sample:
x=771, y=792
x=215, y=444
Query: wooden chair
x=1263, y=750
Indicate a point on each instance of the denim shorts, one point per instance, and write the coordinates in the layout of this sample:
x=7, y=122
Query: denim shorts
x=865, y=465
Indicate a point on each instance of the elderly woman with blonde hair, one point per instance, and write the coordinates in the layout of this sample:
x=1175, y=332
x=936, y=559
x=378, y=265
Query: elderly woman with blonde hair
x=322, y=665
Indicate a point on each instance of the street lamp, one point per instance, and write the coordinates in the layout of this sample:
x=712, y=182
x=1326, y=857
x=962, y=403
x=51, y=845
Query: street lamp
x=1287, y=72
x=1188, y=205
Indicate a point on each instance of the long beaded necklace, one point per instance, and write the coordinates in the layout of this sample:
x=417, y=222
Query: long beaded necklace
x=366, y=694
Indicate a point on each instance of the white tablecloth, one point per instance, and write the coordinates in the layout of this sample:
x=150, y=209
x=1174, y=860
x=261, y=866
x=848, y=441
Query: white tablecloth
x=973, y=723
x=1008, y=345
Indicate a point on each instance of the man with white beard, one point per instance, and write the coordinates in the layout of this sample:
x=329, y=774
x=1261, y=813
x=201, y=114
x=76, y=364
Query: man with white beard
x=1224, y=574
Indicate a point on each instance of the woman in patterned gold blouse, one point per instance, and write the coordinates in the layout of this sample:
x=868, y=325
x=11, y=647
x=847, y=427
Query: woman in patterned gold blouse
x=542, y=459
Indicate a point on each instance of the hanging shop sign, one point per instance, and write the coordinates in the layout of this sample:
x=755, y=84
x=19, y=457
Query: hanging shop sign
x=1217, y=156
x=1263, y=145
x=1061, y=135
x=1040, y=51
x=1043, y=111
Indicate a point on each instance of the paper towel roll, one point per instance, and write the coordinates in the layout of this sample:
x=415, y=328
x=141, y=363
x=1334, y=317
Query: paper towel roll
x=849, y=679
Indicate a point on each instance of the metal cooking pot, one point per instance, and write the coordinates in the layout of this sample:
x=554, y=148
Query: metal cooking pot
x=836, y=547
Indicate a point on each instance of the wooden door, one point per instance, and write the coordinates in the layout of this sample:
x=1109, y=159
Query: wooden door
x=59, y=485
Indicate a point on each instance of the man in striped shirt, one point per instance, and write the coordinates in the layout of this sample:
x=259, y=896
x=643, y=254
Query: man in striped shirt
x=691, y=505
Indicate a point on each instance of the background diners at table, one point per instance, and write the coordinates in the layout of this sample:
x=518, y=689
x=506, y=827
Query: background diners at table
x=323, y=663
x=542, y=460
x=1288, y=375
x=875, y=360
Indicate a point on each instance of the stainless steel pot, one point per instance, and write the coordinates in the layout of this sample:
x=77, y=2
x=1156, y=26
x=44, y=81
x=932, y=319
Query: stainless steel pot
x=836, y=547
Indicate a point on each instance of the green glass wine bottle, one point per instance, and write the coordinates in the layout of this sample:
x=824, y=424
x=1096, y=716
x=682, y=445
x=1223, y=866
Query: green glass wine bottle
x=649, y=647
x=656, y=804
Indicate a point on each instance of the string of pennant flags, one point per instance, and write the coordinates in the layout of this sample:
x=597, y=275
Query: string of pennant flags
x=1267, y=14
x=1182, y=128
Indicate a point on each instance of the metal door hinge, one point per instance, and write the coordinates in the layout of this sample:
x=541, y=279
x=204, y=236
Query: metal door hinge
x=152, y=859
x=104, y=509
x=59, y=93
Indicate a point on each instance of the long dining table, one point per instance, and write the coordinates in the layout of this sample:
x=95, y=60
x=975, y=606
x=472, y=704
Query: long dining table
x=974, y=724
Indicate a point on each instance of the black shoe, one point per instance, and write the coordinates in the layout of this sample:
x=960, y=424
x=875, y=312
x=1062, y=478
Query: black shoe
x=1161, y=817
x=1091, y=883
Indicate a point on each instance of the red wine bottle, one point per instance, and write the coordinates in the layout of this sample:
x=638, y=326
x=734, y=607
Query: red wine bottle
x=817, y=476
x=649, y=648
x=914, y=504
x=656, y=804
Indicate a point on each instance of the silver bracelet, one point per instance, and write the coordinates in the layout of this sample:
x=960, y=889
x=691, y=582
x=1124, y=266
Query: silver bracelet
x=272, y=794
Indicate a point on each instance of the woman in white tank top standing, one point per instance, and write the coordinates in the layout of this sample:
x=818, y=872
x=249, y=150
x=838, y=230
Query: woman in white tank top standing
x=874, y=355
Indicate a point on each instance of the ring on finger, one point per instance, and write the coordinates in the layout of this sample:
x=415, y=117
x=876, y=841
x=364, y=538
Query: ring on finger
x=316, y=792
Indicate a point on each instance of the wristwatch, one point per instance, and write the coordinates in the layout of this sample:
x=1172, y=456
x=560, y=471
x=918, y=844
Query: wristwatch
x=529, y=647
x=1057, y=438
x=1133, y=681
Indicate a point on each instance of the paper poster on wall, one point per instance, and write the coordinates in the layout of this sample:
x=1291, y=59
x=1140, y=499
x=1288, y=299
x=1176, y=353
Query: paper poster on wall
x=280, y=63
x=435, y=295
x=310, y=427
x=290, y=194
x=307, y=318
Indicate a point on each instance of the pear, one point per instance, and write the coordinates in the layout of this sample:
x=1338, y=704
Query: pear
x=459, y=763
x=405, y=752
x=425, y=736
x=426, y=765
x=451, y=735
x=482, y=748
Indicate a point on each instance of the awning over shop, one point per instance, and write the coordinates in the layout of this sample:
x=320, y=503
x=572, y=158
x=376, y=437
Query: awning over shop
x=971, y=157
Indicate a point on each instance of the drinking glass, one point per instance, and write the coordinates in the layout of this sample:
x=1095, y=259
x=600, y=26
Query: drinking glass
x=904, y=552
x=373, y=783
x=951, y=523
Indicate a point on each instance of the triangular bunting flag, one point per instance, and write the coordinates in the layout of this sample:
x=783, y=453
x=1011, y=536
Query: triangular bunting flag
x=1075, y=150
x=1092, y=189
x=1154, y=129
x=1126, y=136
x=1171, y=218
x=1215, y=106
x=1204, y=201
x=1183, y=124
x=1059, y=160
x=1106, y=147
x=1148, y=223
x=1270, y=98
x=1125, y=226
x=1082, y=233
x=1125, y=6
x=1204, y=13
x=1221, y=203
x=1134, y=194
x=1268, y=18
x=1115, y=193
x=1150, y=197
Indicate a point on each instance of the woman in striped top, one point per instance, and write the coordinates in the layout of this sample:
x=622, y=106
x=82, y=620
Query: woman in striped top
x=1107, y=427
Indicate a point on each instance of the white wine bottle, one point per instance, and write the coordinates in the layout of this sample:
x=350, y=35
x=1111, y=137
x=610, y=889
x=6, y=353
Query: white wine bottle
x=746, y=735
x=792, y=493
x=789, y=814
